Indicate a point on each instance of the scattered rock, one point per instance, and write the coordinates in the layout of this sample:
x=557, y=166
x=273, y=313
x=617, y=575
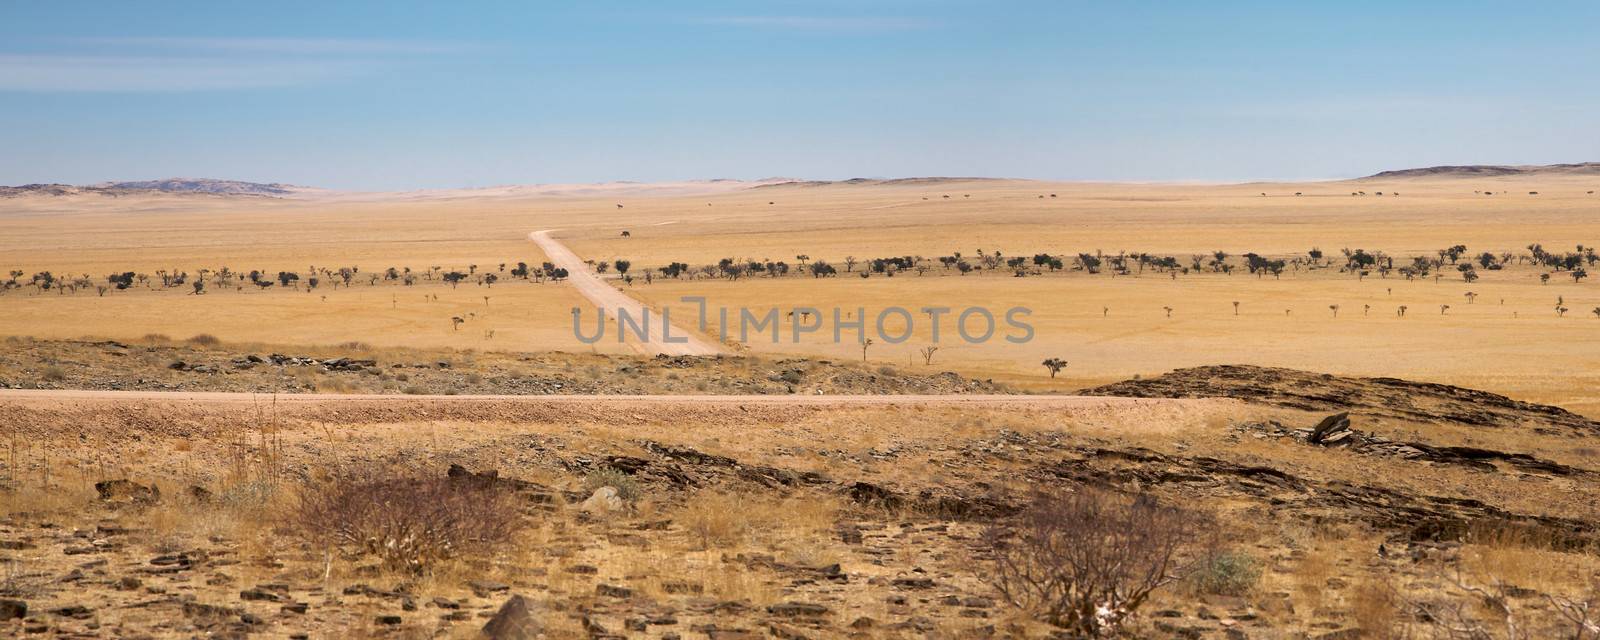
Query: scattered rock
x=482, y=588
x=613, y=591
x=126, y=491
x=798, y=610
x=76, y=611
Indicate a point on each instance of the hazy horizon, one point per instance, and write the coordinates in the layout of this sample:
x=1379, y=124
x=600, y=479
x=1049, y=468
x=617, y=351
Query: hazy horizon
x=370, y=96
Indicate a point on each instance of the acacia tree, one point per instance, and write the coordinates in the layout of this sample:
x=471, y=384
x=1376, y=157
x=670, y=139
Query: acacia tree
x=1055, y=365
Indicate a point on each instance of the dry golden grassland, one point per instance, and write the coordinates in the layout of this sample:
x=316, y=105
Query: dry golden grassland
x=1107, y=328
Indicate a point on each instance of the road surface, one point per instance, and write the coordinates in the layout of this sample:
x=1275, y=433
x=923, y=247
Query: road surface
x=975, y=400
x=611, y=300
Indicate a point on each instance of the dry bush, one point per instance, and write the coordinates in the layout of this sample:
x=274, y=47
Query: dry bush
x=204, y=340
x=1377, y=604
x=1087, y=560
x=1491, y=609
x=409, y=523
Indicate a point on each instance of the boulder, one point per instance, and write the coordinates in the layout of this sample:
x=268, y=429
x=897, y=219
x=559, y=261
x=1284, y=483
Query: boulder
x=1334, y=425
x=603, y=500
x=514, y=621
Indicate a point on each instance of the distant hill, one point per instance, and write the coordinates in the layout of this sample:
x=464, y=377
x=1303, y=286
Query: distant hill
x=205, y=186
x=1492, y=171
x=785, y=182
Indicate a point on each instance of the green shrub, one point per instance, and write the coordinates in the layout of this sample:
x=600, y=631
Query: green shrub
x=1227, y=573
x=627, y=487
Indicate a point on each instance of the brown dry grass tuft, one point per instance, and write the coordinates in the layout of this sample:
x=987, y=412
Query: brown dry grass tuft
x=1377, y=605
x=718, y=519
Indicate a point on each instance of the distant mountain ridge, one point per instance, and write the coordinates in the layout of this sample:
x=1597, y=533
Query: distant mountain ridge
x=931, y=180
x=206, y=186
x=1492, y=171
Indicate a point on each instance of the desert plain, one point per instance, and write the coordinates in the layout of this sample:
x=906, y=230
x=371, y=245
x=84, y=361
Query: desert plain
x=1335, y=441
x=1507, y=337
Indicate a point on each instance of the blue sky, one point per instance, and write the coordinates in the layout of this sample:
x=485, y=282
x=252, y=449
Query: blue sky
x=386, y=95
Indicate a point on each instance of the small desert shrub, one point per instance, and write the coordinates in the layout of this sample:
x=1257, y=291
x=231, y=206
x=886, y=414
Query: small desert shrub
x=53, y=373
x=334, y=385
x=249, y=493
x=156, y=338
x=409, y=523
x=886, y=370
x=1228, y=573
x=414, y=390
x=355, y=345
x=721, y=519
x=1087, y=560
x=627, y=487
x=204, y=340
x=715, y=519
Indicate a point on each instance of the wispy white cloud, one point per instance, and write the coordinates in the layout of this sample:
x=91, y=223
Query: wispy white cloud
x=287, y=46
x=78, y=73
x=816, y=23
x=156, y=64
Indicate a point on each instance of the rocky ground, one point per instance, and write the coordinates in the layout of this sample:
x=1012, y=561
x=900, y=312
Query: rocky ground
x=1352, y=517
x=163, y=365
